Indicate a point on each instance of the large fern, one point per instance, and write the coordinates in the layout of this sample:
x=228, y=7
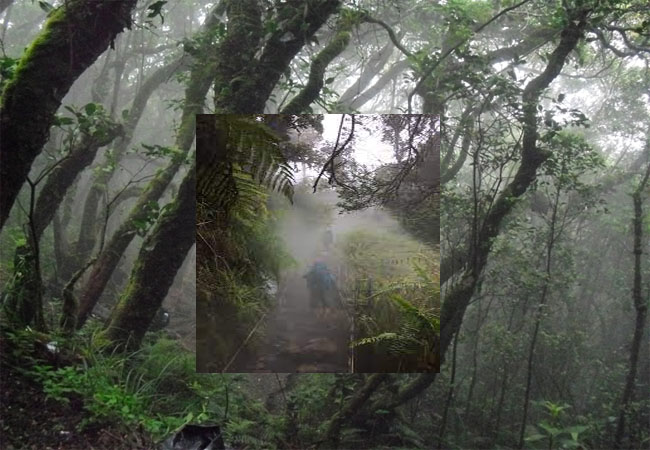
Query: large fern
x=247, y=154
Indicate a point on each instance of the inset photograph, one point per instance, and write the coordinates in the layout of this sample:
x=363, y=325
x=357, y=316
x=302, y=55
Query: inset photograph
x=318, y=243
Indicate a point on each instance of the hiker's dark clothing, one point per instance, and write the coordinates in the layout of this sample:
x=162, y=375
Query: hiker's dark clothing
x=321, y=284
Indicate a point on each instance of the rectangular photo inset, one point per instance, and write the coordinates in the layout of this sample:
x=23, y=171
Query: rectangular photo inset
x=318, y=243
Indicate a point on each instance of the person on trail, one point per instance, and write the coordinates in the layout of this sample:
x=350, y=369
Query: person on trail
x=328, y=238
x=322, y=286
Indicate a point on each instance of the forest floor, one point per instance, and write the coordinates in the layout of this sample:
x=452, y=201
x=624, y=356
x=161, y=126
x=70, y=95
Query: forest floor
x=29, y=420
x=298, y=338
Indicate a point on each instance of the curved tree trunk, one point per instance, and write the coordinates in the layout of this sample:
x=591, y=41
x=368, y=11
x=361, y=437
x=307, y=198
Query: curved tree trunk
x=86, y=242
x=162, y=254
x=72, y=39
x=311, y=91
x=64, y=175
x=25, y=286
x=243, y=84
x=200, y=80
x=332, y=435
x=456, y=301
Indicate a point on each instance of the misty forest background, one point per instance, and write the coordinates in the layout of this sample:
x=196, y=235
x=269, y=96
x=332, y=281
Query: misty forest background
x=544, y=223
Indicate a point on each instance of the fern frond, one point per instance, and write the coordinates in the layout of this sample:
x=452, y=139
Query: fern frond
x=252, y=156
x=375, y=339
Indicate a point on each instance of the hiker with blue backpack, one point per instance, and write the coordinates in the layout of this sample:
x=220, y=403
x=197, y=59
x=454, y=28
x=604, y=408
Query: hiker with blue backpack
x=322, y=286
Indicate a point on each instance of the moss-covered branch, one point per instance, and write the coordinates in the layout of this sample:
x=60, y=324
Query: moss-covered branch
x=311, y=91
x=63, y=176
x=457, y=300
x=245, y=86
x=332, y=435
x=86, y=241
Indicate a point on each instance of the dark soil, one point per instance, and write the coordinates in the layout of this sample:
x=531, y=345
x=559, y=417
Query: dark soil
x=28, y=420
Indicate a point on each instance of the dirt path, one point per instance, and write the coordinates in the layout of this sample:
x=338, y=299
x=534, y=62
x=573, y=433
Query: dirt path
x=297, y=338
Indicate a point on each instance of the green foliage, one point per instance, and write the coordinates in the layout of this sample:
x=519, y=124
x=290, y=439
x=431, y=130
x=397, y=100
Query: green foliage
x=571, y=159
x=158, y=151
x=153, y=213
x=394, y=282
x=417, y=332
x=7, y=68
x=552, y=433
x=252, y=155
x=92, y=120
x=123, y=390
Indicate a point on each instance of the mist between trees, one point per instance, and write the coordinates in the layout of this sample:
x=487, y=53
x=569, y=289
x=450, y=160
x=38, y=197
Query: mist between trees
x=542, y=220
x=312, y=281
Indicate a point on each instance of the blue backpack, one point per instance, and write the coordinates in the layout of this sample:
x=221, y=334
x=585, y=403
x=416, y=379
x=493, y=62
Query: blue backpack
x=320, y=276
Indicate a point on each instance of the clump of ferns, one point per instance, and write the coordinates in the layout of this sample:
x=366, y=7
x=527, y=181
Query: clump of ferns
x=417, y=333
x=253, y=159
x=415, y=329
x=239, y=184
x=249, y=301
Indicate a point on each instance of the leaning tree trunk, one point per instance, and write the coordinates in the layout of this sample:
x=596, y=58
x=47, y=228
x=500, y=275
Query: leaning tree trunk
x=86, y=242
x=640, y=306
x=222, y=65
x=72, y=39
x=354, y=405
x=244, y=83
x=162, y=254
x=456, y=302
x=201, y=77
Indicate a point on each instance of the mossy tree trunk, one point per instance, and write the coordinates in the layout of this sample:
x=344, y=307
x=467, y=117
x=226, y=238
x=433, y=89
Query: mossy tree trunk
x=63, y=176
x=86, y=241
x=162, y=254
x=457, y=300
x=243, y=83
x=72, y=39
x=310, y=93
x=352, y=407
x=201, y=77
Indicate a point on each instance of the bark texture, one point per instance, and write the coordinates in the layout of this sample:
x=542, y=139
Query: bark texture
x=160, y=258
x=64, y=175
x=310, y=93
x=456, y=302
x=86, y=242
x=332, y=435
